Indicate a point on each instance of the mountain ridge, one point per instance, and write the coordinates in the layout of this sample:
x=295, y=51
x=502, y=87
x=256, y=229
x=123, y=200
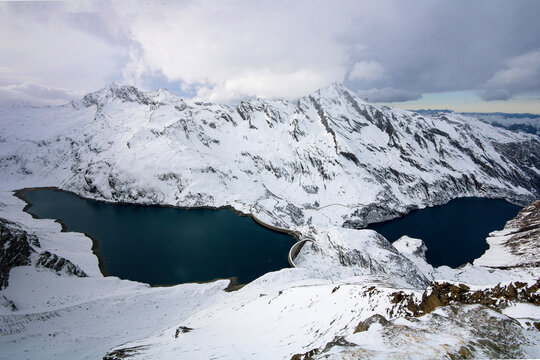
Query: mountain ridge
x=331, y=146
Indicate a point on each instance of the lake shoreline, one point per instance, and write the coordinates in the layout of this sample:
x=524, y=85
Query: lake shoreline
x=233, y=281
x=454, y=233
x=95, y=242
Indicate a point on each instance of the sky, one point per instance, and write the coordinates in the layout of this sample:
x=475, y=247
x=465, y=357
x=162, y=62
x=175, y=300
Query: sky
x=479, y=55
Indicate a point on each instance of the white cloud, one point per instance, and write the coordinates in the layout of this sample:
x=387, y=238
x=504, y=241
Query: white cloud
x=389, y=94
x=230, y=50
x=40, y=50
x=36, y=95
x=266, y=84
x=366, y=71
x=520, y=75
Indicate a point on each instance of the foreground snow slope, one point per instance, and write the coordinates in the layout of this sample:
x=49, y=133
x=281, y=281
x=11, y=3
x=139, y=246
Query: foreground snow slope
x=322, y=167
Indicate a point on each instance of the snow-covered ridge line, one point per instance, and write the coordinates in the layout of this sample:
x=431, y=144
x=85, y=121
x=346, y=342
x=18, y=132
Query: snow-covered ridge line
x=284, y=163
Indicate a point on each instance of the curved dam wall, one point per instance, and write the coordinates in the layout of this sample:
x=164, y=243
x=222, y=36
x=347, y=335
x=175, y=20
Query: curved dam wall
x=295, y=250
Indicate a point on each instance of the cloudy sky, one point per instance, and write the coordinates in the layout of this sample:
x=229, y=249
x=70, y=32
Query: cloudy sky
x=462, y=55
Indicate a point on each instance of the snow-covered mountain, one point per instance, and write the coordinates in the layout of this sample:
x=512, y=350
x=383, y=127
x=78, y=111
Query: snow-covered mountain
x=322, y=167
x=330, y=159
x=524, y=122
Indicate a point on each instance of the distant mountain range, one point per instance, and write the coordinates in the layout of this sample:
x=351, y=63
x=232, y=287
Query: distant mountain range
x=524, y=122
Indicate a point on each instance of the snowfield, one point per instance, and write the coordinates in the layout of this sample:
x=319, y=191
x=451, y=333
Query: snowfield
x=324, y=168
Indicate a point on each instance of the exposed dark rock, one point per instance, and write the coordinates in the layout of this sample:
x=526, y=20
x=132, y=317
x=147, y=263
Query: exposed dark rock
x=15, y=249
x=364, y=325
x=181, y=330
x=296, y=214
x=350, y=156
x=114, y=92
x=306, y=356
x=125, y=353
x=339, y=341
x=488, y=335
x=311, y=189
x=5, y=302
x=444, y=294
x=324, y=120
x=59, y=264
x=18, y=248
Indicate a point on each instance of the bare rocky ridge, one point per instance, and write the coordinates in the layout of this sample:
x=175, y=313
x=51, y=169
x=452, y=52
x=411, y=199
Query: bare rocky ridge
x=490, y=334
x=444, y=293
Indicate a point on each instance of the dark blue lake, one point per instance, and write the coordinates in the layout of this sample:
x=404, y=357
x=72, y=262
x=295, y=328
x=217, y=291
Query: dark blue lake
x=160, y=245
x=454, y=233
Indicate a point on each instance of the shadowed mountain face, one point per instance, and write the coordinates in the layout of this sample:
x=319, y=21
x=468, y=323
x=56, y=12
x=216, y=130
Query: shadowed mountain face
x=329, y=159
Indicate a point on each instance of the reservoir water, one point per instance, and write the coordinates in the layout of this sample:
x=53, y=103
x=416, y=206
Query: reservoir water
x=454, y=233
x=161, y=245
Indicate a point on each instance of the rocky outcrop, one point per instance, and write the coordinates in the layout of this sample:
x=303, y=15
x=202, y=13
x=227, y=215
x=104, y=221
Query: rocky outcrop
x=16, y=248
x=409, y=329
x=59, y=264
x=19, y=248
x=444, y=294
x=457, y=332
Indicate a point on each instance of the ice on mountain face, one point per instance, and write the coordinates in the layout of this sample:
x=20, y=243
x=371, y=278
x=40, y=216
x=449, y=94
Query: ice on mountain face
x=327, y=162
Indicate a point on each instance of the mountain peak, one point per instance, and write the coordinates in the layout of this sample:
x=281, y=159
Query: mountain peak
x=334, y=91
x=113, y=91
x=334, y=87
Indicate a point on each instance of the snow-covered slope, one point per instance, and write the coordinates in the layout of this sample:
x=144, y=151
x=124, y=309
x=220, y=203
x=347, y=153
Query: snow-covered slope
x=517, y=244
x=322, y=167
x=293, y=311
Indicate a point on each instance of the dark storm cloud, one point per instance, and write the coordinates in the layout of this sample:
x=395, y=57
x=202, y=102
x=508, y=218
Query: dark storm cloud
x=520, y=75
x=448, y=46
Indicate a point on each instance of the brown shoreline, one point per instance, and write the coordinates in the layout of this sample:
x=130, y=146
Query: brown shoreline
x=233, y=284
